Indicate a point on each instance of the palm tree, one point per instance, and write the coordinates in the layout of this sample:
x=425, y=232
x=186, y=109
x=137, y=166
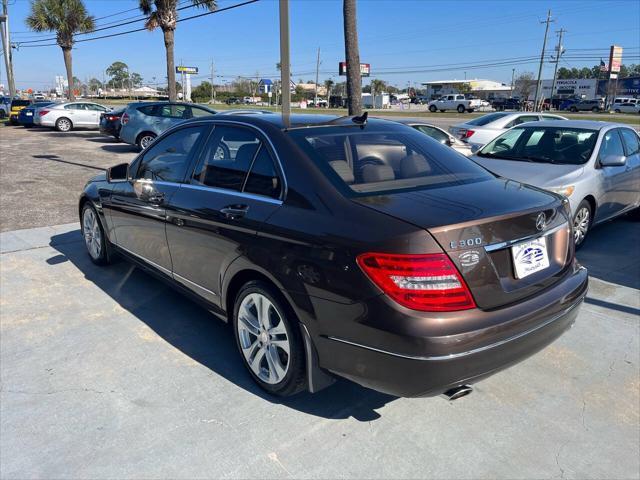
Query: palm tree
x=65, y=18
x=328, y=83
x=163, y=14
x=352, y=57
x=377, y=86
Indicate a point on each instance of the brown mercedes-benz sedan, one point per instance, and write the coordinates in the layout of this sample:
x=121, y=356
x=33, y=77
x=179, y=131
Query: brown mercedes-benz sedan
x=344, y=247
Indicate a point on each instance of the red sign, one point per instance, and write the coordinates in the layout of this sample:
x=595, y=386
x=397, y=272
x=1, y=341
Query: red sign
x=615, y=59
x=365, y=69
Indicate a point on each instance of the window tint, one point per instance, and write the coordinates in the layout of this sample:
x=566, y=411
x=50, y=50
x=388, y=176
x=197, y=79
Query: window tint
x=175, y=111
x=385, y=160
x=611, y=144
x=73, y=106
x=485, y=119
x=434, y=133
x=631, y=141
x=149, y=110
x=20, y=103
x=199, y=112
x=227, y=158
x=167, y=160
x=95, y=107
x=523, y=119
x=263, y=178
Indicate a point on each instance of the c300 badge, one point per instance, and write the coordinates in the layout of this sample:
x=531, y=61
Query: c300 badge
x=469, y=258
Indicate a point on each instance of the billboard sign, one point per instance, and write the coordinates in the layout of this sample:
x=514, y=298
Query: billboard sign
x=365, y=69
x=187, y=70
x=615, y=59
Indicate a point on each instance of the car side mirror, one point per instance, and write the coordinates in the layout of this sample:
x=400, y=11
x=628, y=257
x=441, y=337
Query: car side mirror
x=613, y=161
x=475, y=148
x=118, y=173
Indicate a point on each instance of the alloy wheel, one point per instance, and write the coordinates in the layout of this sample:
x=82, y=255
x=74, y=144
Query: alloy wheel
x=92, y=233
x=581, y=225
x=146, y=141
x=64, y=125
x=264, y=340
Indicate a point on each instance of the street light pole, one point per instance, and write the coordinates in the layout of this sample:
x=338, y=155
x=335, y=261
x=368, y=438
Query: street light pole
x=513, y=74
x=555, y=70
x=285, y=63
x=6, y=45
x=544, y=47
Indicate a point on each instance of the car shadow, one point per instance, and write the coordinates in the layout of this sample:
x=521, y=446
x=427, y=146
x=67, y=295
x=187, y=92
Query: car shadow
x=104, y=139
x=611, y=252
x=119, y=148
x=202, y=336
x=75, y=134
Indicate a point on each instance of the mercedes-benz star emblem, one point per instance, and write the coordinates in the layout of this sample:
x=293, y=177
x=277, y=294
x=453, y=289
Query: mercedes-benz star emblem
x=541, y=221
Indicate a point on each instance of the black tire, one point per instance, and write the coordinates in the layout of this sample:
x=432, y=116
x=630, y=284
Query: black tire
x=581, y=227
x=595, y=109
x=432, y=108
x=461, y=109
x=470, y=110
x=573, y=109
x=295, y=379
x=145, y=139
x=441, y=111
x=617, y=110
x=101, y=256
x=63, y=124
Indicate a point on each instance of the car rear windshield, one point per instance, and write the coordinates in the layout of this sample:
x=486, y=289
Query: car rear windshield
x=362, y=162
x=20, y=103
x=568, y=146
x=483, y=120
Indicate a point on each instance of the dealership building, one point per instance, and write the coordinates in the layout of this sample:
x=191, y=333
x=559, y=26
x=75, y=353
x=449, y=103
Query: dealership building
x=486, y=89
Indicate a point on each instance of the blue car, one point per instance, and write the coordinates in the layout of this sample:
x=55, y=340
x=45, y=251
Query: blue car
x=25, y=117
x=566, y=104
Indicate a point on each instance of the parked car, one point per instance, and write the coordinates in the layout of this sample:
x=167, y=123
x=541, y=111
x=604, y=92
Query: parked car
x=595, y=105
x=17, y=104
x=632, y=106
x=454, y=102
x=39, y=96
x=233, y=101
x=438, y=135
x=596, y=165
x=142, y=122
x=567, y=103
x=501, y=104
x=26, y=115
x=371, y=253
x=64, y=117
x=247, y=111
x=110, y=122
x=482, y=130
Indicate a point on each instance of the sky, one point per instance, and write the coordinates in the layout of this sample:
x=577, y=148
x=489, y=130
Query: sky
x=405, y=41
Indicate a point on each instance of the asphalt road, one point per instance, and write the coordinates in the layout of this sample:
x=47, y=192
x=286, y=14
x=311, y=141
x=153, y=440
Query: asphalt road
x=108, y=373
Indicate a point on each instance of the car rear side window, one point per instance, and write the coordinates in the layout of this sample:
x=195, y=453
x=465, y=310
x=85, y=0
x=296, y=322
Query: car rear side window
x=175, y=111
x=263, y=178
x=227, y=158
x=149, y=110
x=486, y=119
x=167, y=159
x=383, y=161
x=434, y=133
x=631, y=141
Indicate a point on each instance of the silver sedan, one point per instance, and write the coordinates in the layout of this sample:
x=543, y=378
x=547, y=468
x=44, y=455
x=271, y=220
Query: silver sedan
x=439, y=135
x=596, y=165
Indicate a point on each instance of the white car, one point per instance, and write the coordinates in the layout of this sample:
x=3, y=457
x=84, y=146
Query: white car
x=632, y=106
x=456, y=102
x=67, y=116
x=481, y=130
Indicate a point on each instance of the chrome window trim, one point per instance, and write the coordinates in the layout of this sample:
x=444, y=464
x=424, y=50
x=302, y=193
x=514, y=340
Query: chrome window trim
x=153, y=264
x=468, y=352
x=251, y=196
x=195, y=284
x=498, y=246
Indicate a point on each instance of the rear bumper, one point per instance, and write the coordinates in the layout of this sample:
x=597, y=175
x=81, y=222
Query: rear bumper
x=429, y=364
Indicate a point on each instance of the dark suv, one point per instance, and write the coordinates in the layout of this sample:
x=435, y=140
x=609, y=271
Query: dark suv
x=501, y=104
x=595, y=105
x=344, y=246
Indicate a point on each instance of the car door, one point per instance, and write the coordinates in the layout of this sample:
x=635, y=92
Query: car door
x=214, y=218
x=74, y=112
x=137, y=208
x=93, y=114
x=614, y=180
x=631, y=186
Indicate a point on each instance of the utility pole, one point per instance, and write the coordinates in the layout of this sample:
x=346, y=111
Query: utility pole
x=285, y=63
x=559, y=51
x=315, y=100
x=212, y=90
x=513, y=75
x=6, y=46
x=536, y=107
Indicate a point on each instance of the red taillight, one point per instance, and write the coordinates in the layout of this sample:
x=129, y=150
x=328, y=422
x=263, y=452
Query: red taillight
x=468, y=133
x=42, y=113
x=430, y=282
x=124, y=119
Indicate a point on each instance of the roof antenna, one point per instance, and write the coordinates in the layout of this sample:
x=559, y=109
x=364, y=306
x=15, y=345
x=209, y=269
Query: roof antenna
x=361, y=120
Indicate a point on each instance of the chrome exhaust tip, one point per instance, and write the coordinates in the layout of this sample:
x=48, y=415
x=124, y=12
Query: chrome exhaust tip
x=457, y=392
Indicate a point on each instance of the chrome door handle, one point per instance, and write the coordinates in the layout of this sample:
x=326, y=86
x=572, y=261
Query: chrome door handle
x=156, y=198
x=234, y=212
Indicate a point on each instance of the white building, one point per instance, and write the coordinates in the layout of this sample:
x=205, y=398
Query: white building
x=486, y=89
x=569, y=88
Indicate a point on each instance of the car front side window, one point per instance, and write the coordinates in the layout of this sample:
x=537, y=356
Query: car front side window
x=631, y=141
x=168, y=159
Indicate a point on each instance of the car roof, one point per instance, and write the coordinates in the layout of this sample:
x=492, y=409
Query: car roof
x=587, y=124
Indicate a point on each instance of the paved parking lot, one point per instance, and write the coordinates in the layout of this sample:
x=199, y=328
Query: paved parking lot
x=108, y=373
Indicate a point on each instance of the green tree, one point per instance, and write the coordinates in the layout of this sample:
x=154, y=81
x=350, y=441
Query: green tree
x=524, y=84
x=328, y=84
x=352, y=57
x=163, y=14
x=118, y=73
x=65, y=18
x=201, y=93
x=136, y=80
x=94, y=85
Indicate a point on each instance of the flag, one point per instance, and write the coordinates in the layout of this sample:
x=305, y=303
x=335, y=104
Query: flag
x=603, y=66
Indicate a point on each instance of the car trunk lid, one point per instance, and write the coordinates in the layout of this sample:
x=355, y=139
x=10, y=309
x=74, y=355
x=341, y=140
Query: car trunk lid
x=478, y=225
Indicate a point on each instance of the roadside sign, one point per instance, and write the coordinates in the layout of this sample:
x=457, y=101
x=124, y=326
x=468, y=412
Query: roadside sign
x=187, y=70
x=365, y=69
x=615, y=59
